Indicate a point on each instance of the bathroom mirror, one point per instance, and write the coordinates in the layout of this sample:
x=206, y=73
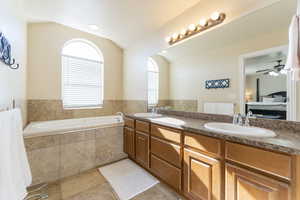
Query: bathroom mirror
x=234, y=68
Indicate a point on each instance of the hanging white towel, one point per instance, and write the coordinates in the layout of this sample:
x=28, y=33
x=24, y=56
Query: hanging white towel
x=15, y=174
x=293, y=59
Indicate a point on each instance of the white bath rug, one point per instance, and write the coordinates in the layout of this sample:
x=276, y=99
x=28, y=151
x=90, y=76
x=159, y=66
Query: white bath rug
x=127, y=178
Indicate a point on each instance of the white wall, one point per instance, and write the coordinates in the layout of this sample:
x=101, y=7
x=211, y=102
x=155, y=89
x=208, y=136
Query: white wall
x=135, y=58
x=45, y=43
x=13, y=82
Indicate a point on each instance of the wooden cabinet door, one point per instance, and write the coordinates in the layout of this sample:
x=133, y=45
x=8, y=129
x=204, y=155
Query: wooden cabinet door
x=129, y=143
x=242, y=184
x=202, y=176
x=142, y=149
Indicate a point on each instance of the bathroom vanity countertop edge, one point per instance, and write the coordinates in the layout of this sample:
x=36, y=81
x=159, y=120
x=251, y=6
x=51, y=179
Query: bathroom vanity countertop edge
x=285, y=141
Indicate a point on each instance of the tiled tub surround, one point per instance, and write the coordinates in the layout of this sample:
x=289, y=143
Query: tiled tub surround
x=286, y=141
x=44, y=110
x=53, y=157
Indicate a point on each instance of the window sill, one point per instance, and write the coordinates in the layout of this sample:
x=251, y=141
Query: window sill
x=83, y=108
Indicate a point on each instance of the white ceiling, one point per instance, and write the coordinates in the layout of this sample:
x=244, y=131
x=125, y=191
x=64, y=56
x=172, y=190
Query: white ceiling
x=267, y=61
x=123, y=21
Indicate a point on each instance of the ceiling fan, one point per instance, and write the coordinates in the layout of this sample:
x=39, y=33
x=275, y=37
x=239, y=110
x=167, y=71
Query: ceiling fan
x=275, y=70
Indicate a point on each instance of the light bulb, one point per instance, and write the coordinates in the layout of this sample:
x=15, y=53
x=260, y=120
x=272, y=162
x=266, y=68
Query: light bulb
x=215, y=16
x=192, y=27
x=272, y=73
x=175, y=36
x=183, y=32
x=168, y=39
x=203, y=22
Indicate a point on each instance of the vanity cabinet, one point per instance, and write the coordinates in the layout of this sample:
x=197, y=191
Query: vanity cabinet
x=201, y=167
x=166, y=155
x=166, y=172
x=129, y=142
x=243, y=184
x=142, y=149
x=202, y=176
x=167, y=151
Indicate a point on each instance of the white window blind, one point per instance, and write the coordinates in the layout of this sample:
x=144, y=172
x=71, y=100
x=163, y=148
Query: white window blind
x=152, y=88
x=153, y=82
x=82, y=82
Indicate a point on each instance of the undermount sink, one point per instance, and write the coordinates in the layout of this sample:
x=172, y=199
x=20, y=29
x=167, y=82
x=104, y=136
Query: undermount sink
x=240, y=130
x=147, y=115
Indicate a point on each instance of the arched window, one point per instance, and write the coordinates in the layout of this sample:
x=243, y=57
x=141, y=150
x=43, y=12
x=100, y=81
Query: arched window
x=153, y=82
x=82, y=75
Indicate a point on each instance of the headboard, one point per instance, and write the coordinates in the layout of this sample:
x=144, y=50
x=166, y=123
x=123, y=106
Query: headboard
x=282, y=93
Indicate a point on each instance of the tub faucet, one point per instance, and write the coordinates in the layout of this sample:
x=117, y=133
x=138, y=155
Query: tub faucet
x=121, y=114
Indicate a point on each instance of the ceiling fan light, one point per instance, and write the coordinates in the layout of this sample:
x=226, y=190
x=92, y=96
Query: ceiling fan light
x=272, y=73
x=283, y=71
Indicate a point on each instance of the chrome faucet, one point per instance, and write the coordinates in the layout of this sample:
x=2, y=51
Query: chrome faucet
x=238, y=119
x=247, y=120
x=121, y=114
x=153, y=110
x=235, y=119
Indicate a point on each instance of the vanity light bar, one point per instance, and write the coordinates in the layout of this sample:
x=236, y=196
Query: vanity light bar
x=215, y=19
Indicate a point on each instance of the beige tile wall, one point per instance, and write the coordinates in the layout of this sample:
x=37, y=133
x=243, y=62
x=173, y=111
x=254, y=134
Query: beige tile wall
x=57, y=156
x=134, y=106
x=184, y=105
x=44, y=110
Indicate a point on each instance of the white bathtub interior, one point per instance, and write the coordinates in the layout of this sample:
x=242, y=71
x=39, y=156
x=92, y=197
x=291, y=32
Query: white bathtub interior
x=61, y=126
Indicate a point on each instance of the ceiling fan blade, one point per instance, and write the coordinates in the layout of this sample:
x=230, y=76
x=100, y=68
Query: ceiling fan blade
x=264, y=70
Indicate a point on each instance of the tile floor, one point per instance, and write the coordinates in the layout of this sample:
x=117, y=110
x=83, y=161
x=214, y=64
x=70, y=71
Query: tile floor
x=91, y=185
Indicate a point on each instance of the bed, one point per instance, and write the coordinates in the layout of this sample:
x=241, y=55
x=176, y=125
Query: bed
x=272, y=106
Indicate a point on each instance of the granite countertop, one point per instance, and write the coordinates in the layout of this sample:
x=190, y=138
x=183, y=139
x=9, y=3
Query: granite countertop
x=285, y=141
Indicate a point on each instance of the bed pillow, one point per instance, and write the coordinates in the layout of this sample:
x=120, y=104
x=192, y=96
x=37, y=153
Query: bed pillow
x=268, y=99
x=279, y=99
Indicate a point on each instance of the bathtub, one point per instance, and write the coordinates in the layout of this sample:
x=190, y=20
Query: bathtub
x=61, y=148
x=61, y=126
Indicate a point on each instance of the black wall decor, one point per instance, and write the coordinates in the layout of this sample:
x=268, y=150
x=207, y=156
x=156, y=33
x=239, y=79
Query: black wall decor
x=214, y=84
x=5, y=53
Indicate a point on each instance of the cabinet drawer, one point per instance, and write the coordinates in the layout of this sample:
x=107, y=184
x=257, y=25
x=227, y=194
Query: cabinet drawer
x=168, y=173
x=172, y=135
x=203, y=143
x=129, y=122
x=142, y=126
x=167, y=151
x=270, y=162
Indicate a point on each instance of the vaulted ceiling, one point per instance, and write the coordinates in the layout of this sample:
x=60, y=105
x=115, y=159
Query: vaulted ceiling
x=122, y=21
